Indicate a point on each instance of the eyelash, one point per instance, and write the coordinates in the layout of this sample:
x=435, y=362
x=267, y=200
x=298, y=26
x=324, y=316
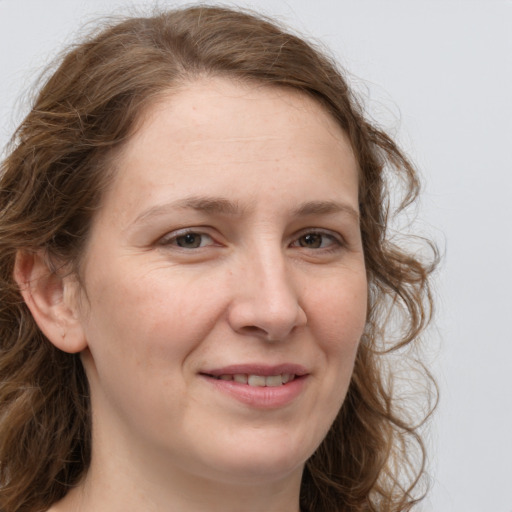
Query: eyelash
x=172, y=238
x=335, y=242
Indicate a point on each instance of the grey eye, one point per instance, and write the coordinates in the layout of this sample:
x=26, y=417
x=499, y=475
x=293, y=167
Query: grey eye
x=190, y=240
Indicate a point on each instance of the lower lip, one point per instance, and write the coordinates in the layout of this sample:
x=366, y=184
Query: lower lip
x=261, y=397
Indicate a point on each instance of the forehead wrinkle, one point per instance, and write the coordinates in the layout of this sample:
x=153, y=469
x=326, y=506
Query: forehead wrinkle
x=248, y=138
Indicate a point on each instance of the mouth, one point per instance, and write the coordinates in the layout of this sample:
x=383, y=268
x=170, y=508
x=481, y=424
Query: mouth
x=259, y=386
x=257, y=380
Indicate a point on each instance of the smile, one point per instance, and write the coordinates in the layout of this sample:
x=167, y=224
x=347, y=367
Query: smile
x=259, y=386
x=258, y=380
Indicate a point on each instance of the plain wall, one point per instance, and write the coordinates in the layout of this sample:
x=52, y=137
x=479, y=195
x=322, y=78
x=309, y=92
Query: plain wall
x=438, y=74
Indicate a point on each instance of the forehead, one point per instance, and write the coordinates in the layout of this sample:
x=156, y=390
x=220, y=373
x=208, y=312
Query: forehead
x=197, y=134
x=217, y=109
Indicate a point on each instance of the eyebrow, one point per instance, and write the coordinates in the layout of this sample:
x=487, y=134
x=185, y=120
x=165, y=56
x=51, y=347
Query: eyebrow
x=325, y=207
x=205, y=204
x=223, y=206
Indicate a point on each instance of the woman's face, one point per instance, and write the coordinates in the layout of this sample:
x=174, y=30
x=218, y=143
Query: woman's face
x=224, y=285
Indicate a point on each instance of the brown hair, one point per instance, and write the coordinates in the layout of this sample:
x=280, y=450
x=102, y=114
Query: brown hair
x=52, y=182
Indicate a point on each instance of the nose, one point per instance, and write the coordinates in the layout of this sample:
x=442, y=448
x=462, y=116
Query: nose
x=266, y=302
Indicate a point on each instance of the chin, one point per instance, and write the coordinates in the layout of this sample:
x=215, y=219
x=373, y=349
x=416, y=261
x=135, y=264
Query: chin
x=260, y=472
x=262, y=460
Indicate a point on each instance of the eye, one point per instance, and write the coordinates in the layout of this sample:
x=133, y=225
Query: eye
x=187, y=240
x=317, y=240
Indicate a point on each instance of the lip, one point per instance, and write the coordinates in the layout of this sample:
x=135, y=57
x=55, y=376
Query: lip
x=258, y=369
x=271, y=397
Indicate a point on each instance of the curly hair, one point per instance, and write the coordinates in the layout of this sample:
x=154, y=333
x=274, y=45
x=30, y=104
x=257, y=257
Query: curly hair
x=52, y=180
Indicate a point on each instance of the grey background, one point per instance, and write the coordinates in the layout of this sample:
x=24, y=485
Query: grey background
x=438, y=75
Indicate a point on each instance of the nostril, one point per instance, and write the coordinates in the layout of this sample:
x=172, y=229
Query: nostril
x=270, y=336
x=253, y=329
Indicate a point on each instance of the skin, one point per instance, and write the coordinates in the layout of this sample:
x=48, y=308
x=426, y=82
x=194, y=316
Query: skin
x=230, y=235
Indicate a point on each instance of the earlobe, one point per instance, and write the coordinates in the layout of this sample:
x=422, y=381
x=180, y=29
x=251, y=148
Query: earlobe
x=52, y=300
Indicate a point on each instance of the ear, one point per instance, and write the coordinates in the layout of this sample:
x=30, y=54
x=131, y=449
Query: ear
x=52, y=299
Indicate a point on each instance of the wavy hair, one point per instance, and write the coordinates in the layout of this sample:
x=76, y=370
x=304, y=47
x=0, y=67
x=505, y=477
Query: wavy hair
x=60, y=161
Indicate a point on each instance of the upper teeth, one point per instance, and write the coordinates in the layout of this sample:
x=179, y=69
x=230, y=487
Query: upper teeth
x=259, y=380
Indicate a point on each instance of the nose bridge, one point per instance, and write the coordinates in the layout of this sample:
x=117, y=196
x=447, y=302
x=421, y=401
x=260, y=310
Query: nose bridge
x=272, y=277
x=267, y=302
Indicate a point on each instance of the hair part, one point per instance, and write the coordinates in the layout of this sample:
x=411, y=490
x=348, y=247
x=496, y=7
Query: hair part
x=62, y=158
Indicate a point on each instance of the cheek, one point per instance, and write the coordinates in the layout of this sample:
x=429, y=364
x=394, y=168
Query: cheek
x=141, y=333
x=337, y=320
x=150, y=316
x=339, y=309
x=337, y=323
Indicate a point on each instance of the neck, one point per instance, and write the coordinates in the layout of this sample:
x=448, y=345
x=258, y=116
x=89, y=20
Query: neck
x=118, y=485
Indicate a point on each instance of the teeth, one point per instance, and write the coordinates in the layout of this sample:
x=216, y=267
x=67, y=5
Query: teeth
x=274, y=380
x=256, y=380
x=259, y=380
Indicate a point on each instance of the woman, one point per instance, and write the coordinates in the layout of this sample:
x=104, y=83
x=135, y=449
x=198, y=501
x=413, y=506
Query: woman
x=197, y=281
